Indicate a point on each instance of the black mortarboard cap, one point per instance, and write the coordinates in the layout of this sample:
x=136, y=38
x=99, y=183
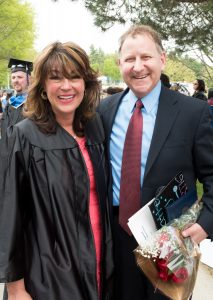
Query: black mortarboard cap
x=20, y=65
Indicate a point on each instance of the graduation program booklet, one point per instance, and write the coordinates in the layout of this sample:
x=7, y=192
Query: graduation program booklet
x=142, y=224
x=168, y=195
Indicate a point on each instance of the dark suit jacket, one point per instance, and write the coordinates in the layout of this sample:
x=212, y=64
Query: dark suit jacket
x=182, y=141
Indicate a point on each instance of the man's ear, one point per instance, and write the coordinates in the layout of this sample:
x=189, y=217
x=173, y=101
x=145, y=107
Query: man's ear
x=163, y=60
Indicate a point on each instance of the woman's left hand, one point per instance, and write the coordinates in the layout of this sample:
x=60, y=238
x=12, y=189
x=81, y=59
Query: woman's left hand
x=20, y=295
x=16, y=291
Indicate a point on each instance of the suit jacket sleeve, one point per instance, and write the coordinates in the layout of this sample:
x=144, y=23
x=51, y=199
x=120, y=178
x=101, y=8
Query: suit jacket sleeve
x=203, y=156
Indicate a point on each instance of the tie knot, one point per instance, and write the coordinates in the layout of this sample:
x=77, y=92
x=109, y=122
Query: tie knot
x=139, y=104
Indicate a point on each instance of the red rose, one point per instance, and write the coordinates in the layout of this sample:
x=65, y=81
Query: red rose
x=180, y=275
x=163, y=269
x=162, y=264
x=164, y=276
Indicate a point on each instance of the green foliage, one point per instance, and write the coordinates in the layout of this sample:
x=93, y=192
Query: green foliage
x=17, y=34
x=177, y=71
x=187, y=23
x=96, y=58
x=105, y=64
x=199, y=189
x=110, y=68
x=187, y=68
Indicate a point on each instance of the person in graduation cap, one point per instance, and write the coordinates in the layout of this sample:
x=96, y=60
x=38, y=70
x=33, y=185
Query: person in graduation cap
x=55, y=236
x=20, y=77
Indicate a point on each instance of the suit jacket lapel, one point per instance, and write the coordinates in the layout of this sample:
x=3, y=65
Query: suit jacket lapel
x=166, y=115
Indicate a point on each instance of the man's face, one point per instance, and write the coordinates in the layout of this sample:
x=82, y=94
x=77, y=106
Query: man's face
x=19, y=81
x=141, y=64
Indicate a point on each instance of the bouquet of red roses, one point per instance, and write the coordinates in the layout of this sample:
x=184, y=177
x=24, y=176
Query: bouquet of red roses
x=169, y=260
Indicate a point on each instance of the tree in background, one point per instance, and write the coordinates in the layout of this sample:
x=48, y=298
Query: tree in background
x=186, y=63
x=17, y=34
x=177, y=71
x=186, y=24
x=105, y=64
x=96, y=58
x=111, y=69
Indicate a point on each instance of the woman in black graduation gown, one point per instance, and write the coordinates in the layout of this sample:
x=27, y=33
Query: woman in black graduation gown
x=55, y=237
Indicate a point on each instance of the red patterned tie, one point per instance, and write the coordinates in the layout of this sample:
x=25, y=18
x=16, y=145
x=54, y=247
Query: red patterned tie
x=131, y=168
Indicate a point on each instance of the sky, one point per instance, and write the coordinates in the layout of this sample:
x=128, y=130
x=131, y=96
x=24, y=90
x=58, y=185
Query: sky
x=70, y=21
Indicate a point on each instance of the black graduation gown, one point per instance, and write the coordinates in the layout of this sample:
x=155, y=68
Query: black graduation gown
x=45, y=229
x=11, y=116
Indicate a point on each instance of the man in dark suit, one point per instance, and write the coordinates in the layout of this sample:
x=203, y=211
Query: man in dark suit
x=177, y=136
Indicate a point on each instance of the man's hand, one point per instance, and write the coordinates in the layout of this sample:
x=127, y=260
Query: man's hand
x=16, y=291
x=196, y=233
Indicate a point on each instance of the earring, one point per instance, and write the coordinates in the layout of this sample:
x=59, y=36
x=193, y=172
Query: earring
x=44, y=95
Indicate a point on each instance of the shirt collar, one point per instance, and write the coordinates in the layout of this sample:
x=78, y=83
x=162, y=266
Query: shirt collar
x=149, y=101
x=20, y=94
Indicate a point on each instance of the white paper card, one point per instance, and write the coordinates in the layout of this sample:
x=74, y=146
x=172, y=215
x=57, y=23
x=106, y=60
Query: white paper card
x=142, y=224
x=206, y=248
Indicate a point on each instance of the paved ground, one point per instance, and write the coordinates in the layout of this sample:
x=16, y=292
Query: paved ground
x=203, y=288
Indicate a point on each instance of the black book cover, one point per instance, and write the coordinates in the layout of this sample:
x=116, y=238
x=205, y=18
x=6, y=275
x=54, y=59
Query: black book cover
x=166, y=196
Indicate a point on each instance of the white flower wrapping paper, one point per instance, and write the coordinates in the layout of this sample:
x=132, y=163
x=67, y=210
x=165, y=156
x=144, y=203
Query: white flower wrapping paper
x=170, y=261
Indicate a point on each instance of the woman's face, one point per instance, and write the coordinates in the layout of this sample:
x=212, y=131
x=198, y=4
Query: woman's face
x=65, y=95
x=195, y=85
